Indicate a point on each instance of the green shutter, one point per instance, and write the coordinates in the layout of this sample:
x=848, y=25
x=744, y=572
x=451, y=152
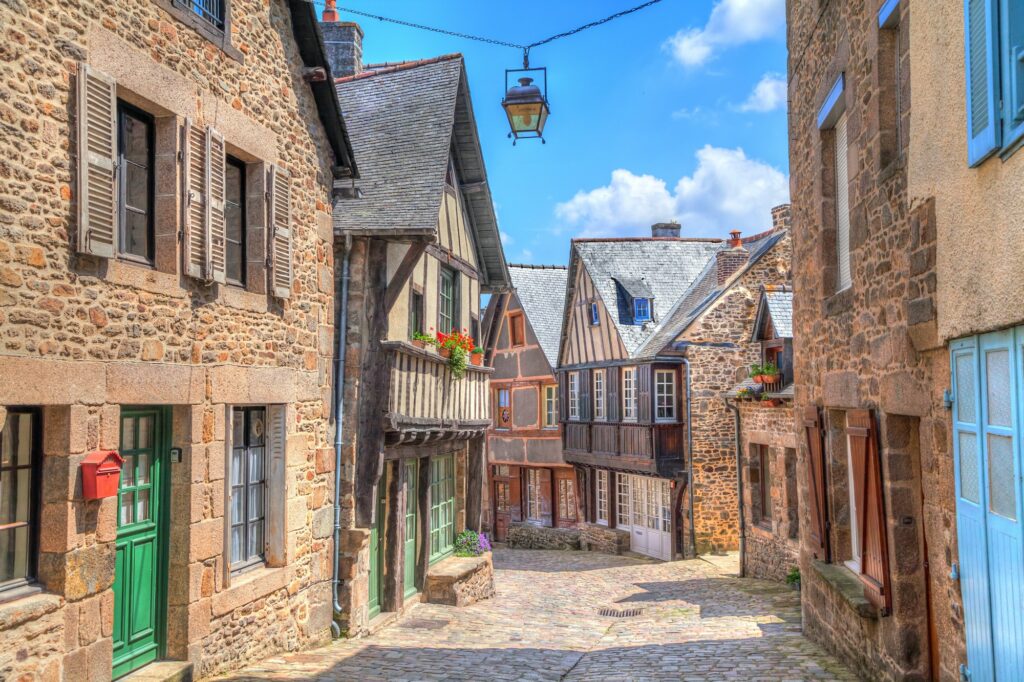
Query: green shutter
x=981, y=46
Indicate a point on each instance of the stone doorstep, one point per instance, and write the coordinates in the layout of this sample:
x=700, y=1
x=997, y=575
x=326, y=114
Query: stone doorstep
x=161, y=671
x=387, y=618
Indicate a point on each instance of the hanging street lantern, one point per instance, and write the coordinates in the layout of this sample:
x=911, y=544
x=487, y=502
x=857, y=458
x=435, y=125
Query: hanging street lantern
x=526, y=104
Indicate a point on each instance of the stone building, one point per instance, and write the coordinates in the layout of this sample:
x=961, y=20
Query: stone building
x=762, y=405
x=166, y=293
x=875, y=463
x=417, y=243
x=529, y=481
x=655, y=332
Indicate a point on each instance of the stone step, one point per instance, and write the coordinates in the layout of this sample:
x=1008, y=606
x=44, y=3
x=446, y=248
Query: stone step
x=161, y=671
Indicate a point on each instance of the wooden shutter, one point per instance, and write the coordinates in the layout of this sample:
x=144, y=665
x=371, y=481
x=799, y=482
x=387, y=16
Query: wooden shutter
x=563, y=396
x=515, y=495
x=612, y=401
x=843, y=276
x=97, y=163
x=981, y=47
x=643, y=381
x=215, y=183
x=586, y=402
x=281, y=232
x=871, y=522
x=195, y=167
x=277, y=522
x=817, y=505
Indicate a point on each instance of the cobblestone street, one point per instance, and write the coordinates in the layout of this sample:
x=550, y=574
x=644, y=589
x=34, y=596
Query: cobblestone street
x=698, y=622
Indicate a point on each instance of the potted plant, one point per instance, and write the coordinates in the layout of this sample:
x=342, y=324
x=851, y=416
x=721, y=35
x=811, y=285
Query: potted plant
x=767, y=373
x=421, y=340
x=770, y=401
x=745, y=394
x=476, y=356
x=456, y=347
x=793, y=578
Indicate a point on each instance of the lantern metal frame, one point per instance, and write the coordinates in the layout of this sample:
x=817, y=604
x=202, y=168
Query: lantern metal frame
x=531, y=135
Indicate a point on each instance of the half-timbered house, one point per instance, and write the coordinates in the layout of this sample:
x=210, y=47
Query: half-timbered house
x=655, y=330
x=529, y=480
x=418, y=244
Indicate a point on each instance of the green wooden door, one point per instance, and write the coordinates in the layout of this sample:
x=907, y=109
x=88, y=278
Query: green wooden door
x=141, y=545
x=411, y=502
x=376, y=552
x=442, y=507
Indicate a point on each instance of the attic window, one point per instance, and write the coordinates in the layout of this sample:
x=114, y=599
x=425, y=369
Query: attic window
x=641, y=309
x=595, y=317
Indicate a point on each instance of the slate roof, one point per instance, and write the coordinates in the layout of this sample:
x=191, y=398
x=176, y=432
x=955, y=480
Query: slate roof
x=405, y=120
x=779, y=302
x=541, y=293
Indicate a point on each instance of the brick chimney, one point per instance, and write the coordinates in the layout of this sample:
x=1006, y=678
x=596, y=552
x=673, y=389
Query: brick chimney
x=781, y=217
x=670, y=229
x=731, y=259
x=344, y=42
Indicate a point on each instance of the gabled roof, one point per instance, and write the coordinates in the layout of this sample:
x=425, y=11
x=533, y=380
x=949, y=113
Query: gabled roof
x=777, y=303
x=541, y=293
x=406, y=120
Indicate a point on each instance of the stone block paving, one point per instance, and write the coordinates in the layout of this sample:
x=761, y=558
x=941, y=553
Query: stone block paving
x=699, y=622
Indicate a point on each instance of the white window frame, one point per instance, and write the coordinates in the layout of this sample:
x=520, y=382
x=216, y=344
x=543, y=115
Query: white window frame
x=630, y=406
x=574, y=396
x=844, y=266
x=622, y=507
x=551, y=407
x=854, y=562
x=599, y=402
x=602, y=497
x=659, y=394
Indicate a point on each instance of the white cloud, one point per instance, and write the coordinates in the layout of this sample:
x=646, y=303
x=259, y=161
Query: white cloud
x=687, y=113
x=768, y=95
x=726, y=191
x=506, y=238
x=732, y=22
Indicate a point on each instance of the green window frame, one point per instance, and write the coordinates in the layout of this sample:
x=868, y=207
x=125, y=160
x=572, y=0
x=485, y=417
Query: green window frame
x=442, y=507
x=448, y=302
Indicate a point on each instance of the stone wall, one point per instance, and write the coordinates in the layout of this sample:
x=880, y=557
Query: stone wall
x=597, y=538
x=873, y=345
x=460, y=581
x=83, y=335
x=529, y=536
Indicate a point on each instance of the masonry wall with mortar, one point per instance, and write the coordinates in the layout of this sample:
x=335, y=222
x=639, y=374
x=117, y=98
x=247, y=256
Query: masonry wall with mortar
x=873, y=345
x=82, y=336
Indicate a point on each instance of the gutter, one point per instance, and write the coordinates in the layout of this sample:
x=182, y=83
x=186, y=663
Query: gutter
x=339, y=412
x=739, y=484
x=689, y=458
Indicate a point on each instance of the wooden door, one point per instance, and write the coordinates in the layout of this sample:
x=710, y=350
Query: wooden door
x=411, y=471
x=377, y=552
x=502, y=511
x=141, y=545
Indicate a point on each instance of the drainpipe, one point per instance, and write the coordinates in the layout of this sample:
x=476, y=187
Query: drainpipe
x=689, y=458
x=739, y=484
x=339, y=413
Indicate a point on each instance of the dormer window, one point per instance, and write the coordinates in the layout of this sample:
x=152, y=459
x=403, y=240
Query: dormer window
x=641, y=309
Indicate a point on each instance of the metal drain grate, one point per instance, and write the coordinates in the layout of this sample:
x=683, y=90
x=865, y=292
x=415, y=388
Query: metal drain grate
x=620, y=613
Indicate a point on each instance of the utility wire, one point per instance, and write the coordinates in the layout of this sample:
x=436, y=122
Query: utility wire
x=503, y=43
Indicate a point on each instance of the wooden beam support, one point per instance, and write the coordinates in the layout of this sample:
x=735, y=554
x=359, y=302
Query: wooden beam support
x=405, y=268
x=450, y=259
x=394, y=536
x=475, y=480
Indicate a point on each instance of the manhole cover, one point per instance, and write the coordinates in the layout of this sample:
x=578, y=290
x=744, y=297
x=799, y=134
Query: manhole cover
x=423, y=624
x=620, y=613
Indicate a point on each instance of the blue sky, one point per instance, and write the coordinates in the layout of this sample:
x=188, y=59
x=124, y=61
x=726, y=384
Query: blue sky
x=674, y=112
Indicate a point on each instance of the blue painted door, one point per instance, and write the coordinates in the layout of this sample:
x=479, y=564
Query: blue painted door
x=987, y=422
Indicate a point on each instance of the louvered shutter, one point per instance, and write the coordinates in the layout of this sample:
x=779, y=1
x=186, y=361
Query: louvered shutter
x=563, y=396
x=643, y=380
x=817, y=506
x=586, y=402
x=981, y=47
x=612, y=404
x=281, y=232
x=276, y=520
x=1013, y=70
x=215, y=186
x=871, y=522
x=97, y=163
x=843, y=276
x=195, y=171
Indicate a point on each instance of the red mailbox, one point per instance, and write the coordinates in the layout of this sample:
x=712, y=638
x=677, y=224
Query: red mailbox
x=101, y=473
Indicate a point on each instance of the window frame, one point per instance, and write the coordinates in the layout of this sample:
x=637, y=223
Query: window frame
x=658, y=374
x=642, y=304
x=595, y=314
x=598, y=379
x=601, y=490
x=842, y=203
x=34, y=467
x=416, y=310
x=516, y=329
x=551, y=406
x=764, y=487
x=448, y=277
x=854, y=563
x=442, y=479
x=499, y=423
x=127, y=110
x=630, y=394
x=260, y=558
x=242, y=212
x=623, y=519
x=573, y=389
x=567, y=499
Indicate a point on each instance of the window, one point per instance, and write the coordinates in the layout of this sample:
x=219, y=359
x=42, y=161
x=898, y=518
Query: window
x=995, y=77
x=517, y=329
x=234, y=220
x=854, y=561
x=19, y=481
x=135, y=186
x=448, y=305
x=248, y=485
x=595, y=314
x=629, y=400
x=442, y=506
x=574, y=395
x=550, y=407
x=566, y=499
x=792, y=502
x=599, y=395
x=415, y=312
x=843, y=275
x=602, y=497
x=211, y=11
x=474, y=329
x=665, y=394
x=641, y=309
x=538, y=496
x=622, y=500
x=503, y=420
x=761, y=478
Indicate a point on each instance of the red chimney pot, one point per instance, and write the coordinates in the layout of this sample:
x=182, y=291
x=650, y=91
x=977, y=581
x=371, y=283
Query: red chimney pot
x=330, y=11
x=735, y=242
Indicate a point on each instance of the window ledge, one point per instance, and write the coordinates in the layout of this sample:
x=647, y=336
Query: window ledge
x=250, y=585
x=847, y=586
x=220, y=38
x=839, y=302
x=24, y=604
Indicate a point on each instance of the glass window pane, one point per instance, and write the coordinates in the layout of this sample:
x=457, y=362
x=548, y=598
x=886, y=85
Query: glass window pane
x=128, y=433
x=256, y=461
x=1002, y=481
x=145, y=432
x=998, y=376
x=14, y=553
x=256, y=427
x=136, y=187
x=237, y=428
x=255, y=502
x=237, y=466
x=142, y=505
x=136, y=140
x=255, y=539
x=136, y=234
x=237, y=543
x=237, y=505
x=128, y=471
x=233, y=183
x=127, y=504
x=142, y=467
x=21, y=437
x=965, y=399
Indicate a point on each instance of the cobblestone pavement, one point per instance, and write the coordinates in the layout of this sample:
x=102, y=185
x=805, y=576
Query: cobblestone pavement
x=698, y=623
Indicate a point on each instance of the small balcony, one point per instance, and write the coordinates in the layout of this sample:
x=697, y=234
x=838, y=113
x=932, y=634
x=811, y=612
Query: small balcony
x=649, y=448
x=426, y=402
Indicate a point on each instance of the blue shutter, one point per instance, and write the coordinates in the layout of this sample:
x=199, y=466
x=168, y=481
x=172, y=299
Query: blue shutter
x=1011, y=20
x=983, y=120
